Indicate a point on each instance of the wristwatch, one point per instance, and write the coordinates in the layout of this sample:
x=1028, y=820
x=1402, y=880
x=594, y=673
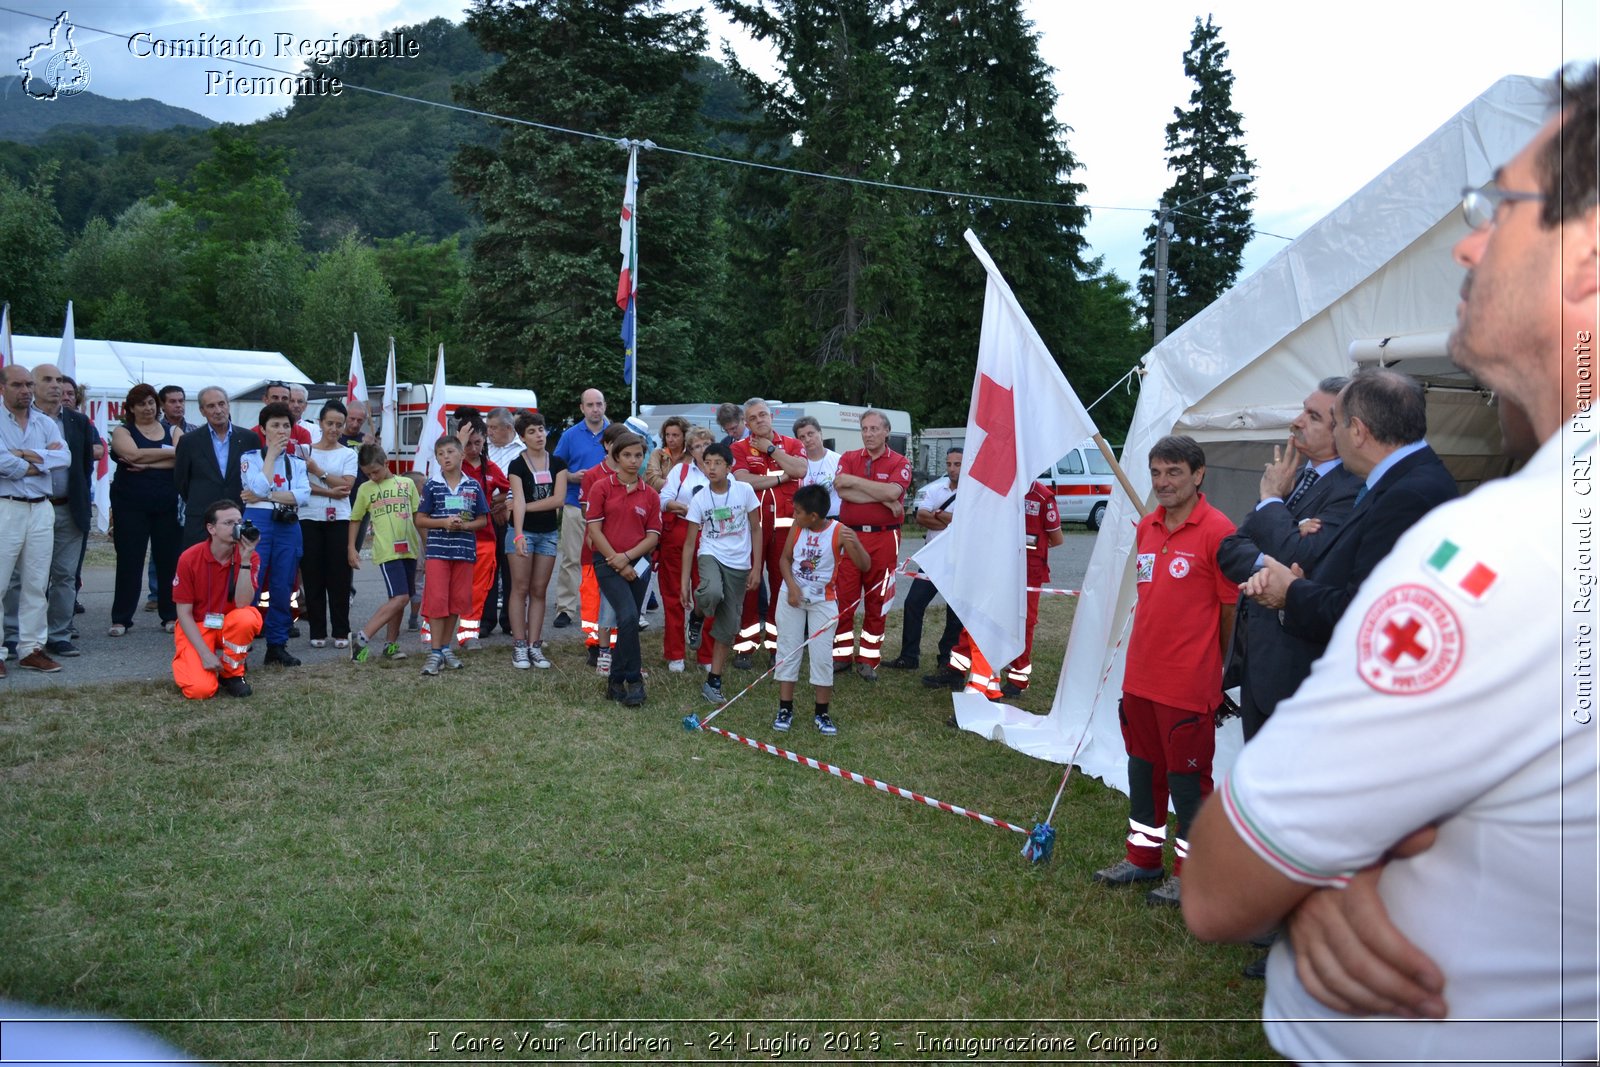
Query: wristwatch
x=772, y=448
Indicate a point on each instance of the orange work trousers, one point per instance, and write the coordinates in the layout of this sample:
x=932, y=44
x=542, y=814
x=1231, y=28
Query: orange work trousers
x=231, y=645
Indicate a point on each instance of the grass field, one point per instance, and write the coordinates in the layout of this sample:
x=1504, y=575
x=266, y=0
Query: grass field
x=501, y=854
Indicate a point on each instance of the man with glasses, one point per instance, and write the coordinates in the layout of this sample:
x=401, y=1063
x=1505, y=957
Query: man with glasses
x=212, y=588
x=1423, y=810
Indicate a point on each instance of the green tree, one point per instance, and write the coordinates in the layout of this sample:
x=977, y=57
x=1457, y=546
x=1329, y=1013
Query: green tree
x=429, y=281
x=31, y=244
x=1205, y=145
x=540, y=307
x=345, y=293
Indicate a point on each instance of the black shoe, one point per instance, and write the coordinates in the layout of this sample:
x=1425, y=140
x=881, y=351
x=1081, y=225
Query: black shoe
x=594, y=655
x=741, y=662
x=695, y=624
x=77, y=608
x=1265, y=940
x=633, y=697
x=1256, y=968
x=281, y=656
x=235, y=687
x=11, y=650
x=901, y=663
x=1010, y=691
x=563, y=620
x=653, y=603
x=62, y=648
x=294, y=631
x=943, y=678
x=616, y=689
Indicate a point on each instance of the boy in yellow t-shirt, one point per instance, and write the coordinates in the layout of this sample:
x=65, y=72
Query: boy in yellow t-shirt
x=392, y=503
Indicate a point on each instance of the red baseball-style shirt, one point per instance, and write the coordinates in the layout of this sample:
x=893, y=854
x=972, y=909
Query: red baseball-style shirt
x=208, y=585
x=1174, y=653
x=778, y=501
x=891, y=466
x=627, y=515
x=1040, y=520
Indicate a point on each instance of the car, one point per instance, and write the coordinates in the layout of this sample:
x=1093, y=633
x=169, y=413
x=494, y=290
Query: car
x=1082, y=480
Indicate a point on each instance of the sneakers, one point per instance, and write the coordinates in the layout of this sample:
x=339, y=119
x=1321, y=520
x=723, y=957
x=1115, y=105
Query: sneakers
x=742, y=662
x=695, y=623
x=563, y=620
x=37, y=660
x=652, y=604
x=644, y=623
x=519, y=656
x=1165, y=895
x=602, y=662
x=633, y=697
x=712, y=691
x=536, y=657
x=675, y=666
x=411, y=623
x=1126, y=872
x=393, y=651
x=866, y=672
x=434, y=663
x=62, y=648
x=943, y=678
x=782, y=720
x=235, y=687
x=451, y=660
x=471, y=644
x=825, y=724
x=281, y=656
x=358, y=647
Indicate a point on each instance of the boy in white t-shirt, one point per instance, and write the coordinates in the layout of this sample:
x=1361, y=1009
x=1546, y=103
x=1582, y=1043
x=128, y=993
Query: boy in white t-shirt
x=809, y=606
x=728, y=545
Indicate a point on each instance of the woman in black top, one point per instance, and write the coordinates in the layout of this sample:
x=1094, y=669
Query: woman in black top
x=538, y=489
x=144, y=507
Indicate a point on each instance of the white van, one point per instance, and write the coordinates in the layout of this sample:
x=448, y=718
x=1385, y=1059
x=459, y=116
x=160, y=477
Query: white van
x=1082, y=480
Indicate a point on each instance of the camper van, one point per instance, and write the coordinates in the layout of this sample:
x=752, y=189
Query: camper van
x=840, y=423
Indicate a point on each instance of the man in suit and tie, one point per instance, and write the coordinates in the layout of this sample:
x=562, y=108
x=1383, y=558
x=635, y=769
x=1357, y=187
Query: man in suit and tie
x=1306, y=496
x=69, y=498
x=1380, y=422
x=207, y=463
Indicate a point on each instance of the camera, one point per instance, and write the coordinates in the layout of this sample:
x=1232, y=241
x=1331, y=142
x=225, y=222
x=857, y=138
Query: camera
x=247, y=532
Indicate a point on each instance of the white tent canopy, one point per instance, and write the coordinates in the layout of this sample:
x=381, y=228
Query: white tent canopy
x=110, y=368
x=1234, y=376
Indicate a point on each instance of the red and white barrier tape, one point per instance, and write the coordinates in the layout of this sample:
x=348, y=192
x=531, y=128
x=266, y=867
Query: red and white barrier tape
x=861, y=779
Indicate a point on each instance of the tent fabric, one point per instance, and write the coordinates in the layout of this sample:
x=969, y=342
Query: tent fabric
x=1378, y=265
x=110, y=368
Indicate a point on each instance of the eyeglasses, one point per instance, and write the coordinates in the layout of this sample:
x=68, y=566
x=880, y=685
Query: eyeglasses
x=1478, y=206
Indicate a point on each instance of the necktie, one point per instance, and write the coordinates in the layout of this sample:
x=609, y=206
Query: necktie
x=1307, y=479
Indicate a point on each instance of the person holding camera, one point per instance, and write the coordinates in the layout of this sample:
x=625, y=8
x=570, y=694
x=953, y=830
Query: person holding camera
x=212, y=589
x=275, y=488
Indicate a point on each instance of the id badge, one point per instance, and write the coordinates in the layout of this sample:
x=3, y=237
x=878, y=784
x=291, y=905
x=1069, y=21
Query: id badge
x=331, y=513
x=721, y=515
x=542, y=478
x=214, y=620
x=402, y=548
x=455, y=502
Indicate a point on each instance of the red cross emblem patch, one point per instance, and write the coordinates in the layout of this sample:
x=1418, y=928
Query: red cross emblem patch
x=1410, y=642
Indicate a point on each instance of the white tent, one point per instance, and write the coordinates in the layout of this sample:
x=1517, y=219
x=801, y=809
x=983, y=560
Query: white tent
x=1378, y=266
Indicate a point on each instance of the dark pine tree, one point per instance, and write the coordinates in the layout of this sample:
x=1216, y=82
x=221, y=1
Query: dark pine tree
x=1205, y=146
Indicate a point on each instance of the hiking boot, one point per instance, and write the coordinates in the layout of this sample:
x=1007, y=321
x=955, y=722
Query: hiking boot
x=824, y=724
x=1126, y=872
x=712, y=691
x=1165, y=895
x=235, y=687
x=452, y=661
x=537, y=657
x=866, y=672
x=1010, y=691
x=563, y=620
x=902, y=663
x=944, y=678
x=742, y=662
x=519, y=657
x=633, y=695
x=433, y=664
x=782, y=720
x=393, y=651
x=281, y=656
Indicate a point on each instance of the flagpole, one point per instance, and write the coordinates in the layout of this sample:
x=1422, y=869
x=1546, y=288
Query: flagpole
x=1122, y=476
x=633, y=383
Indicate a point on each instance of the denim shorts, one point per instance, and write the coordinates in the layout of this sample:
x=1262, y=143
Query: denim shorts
x=539, y=544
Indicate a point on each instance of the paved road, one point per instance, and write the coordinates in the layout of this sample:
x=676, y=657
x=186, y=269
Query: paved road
x=145, y=652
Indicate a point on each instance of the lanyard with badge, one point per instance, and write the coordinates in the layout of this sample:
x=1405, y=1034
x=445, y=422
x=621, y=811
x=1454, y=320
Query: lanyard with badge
x=722, y=516
x=214, y=619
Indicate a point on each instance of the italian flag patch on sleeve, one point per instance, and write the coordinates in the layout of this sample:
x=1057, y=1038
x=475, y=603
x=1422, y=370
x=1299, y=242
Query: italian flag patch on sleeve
x=1461, y=573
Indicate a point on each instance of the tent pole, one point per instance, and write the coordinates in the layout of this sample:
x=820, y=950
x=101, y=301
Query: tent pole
x=1122, y=476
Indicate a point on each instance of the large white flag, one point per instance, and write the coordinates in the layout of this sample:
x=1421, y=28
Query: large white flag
x=67, y=361
x=356, y=388
x=433, y=425
x=390, y=439
x=6, y=358
x=1023, y=417
x=100, y=415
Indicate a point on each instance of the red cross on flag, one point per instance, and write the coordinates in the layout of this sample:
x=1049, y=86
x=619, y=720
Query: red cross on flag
x=356, y=387
x=1024, y=416
x=433, y=424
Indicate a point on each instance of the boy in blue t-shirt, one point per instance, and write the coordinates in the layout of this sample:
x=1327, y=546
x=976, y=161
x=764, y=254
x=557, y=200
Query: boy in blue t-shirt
x=452, y=509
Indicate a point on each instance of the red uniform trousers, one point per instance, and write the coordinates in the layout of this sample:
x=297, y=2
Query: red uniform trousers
x=669, y=574
x=1021, y=669
x=873, y=592
x=753, y=633
x=1169, y=753
x=589, y=601
x=482, y=579
x=231, y=644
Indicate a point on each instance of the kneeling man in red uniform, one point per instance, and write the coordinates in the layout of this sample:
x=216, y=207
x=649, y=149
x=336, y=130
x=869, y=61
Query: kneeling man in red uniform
x=213, y=588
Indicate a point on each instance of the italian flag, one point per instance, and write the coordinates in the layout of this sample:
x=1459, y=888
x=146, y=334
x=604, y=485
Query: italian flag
x=1459, y=571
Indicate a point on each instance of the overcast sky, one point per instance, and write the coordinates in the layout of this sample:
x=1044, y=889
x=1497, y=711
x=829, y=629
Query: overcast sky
x=1330, y=94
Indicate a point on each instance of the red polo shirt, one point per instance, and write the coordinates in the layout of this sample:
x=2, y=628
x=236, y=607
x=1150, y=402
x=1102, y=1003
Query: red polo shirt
x=891, y=466
x=493, y=480
x=1040, y=520
x=208, y=585
x=1174, y=656
x=778, y=501
x=627, y=515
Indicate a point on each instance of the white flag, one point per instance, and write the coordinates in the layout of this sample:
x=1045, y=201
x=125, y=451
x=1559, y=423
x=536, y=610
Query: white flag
x=67, y=361
x=6, y=358
x=1023, y=417
x=433, y=424
x=100, y=415
x=356, y=389
x=390, y=438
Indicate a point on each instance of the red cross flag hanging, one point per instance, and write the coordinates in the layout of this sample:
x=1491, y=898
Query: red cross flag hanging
x=1024, y=416
x=355, y=389
x=433, y=423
